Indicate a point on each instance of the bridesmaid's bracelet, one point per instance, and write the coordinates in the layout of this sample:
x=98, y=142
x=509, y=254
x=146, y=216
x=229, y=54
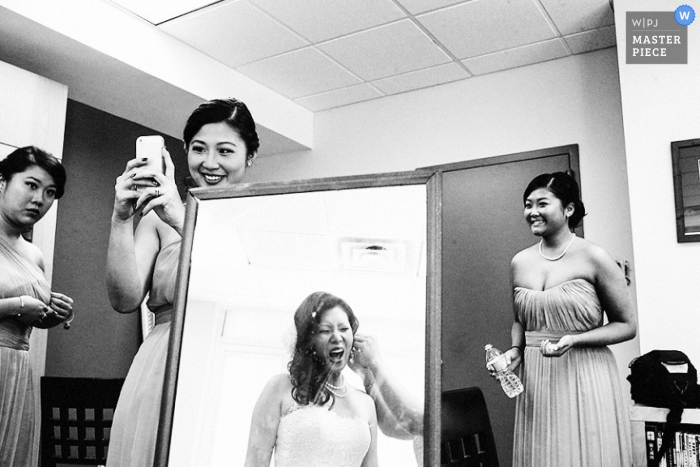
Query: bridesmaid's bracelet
x=521, y=349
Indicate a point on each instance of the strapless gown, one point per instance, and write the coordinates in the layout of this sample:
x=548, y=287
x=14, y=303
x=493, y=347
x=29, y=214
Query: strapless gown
x=571, y=412
x=135, y=425
x=313, y=436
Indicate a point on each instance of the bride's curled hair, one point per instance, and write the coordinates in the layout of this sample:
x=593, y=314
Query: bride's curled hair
x=308, y=372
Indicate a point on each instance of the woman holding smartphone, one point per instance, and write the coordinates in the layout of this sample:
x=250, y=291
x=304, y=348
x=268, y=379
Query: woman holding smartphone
x=221, y=142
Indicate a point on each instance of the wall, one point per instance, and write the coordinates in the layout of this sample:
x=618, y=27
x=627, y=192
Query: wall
x=101, y=342
x=572, y=100
x=661, y=104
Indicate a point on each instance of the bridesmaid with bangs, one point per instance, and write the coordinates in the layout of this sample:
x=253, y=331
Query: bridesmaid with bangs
x=31, y=179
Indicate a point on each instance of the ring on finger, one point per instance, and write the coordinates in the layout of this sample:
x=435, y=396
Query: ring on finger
x=157, y=192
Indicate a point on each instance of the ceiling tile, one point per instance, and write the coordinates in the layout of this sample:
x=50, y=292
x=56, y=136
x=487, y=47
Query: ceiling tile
x=339, y=97
x=421, y=79
x=300, y=73
x=477, y=27
x=235, y=33
x=521, y=56
x=421, y=6
x=321, y=20
x=592, y=40
x=157, y=11
x=385, y=51
x=573, y=17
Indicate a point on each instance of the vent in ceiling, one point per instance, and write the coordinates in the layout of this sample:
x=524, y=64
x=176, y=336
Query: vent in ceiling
x=377, y=255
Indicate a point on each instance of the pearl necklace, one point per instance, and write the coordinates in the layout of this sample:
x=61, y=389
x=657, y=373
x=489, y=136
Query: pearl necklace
x=573, y=235
x=332, y=389
x=336, y=387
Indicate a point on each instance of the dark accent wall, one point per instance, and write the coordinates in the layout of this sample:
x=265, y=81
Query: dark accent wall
x=101, y=342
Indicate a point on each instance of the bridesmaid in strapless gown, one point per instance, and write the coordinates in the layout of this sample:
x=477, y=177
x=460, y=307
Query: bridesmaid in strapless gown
x=583, y=422
x=571, y=412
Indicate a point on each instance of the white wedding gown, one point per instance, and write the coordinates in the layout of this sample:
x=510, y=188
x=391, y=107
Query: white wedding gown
x=313, y=436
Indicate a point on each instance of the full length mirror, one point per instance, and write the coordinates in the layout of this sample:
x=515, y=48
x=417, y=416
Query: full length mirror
x=255, y=254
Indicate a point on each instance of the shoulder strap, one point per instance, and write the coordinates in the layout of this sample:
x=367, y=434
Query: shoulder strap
x=673, y=421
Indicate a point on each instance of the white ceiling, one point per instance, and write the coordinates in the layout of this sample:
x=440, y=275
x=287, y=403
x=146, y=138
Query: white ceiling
x=329, y=53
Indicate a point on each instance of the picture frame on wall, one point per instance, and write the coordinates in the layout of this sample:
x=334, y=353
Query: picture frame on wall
x=686, y=185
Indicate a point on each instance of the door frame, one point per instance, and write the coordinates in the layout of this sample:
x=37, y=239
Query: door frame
x=569, y=154
x=569, y=150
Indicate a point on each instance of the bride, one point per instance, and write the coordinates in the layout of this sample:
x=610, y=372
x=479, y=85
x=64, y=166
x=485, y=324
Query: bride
x=311, y=417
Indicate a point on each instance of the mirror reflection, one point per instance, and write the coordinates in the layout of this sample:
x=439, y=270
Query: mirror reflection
x=254, y=261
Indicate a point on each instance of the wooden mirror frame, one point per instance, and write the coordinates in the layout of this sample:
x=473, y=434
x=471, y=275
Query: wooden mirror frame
x=433, y=182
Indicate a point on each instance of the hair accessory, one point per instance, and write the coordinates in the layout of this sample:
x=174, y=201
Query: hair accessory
x=548, y=258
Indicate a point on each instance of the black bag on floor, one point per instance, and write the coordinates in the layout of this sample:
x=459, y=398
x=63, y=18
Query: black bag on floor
x=665, y=378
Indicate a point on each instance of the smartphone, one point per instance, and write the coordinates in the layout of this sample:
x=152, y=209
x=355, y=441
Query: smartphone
x=149, y=147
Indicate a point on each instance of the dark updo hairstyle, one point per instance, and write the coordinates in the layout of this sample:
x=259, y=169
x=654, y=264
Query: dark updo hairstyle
x=565, y=188
x=233, y=112
x=307, y=370
x=21, y=159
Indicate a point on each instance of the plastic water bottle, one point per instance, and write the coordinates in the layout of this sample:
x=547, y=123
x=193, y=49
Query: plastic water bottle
x=509, y=381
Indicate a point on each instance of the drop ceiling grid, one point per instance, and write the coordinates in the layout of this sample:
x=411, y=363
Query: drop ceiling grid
x=328, y=53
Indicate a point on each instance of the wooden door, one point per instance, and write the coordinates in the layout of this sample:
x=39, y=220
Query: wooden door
x=483, y=227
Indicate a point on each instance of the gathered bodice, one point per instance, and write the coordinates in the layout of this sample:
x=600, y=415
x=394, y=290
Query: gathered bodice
x=19, y=276
x=313, y=436
x=162, y=293
x=572, y=306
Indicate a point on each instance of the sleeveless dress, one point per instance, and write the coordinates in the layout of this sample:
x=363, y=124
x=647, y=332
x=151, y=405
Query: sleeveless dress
x=313, y=436
x=571, y=412
x=135, y=425
x=19, y=432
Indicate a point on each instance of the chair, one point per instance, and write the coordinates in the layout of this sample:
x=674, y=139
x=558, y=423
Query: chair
x=76, y=417
x=467, y=439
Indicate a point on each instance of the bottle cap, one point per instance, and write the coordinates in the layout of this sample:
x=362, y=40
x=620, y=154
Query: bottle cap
x=487, y=346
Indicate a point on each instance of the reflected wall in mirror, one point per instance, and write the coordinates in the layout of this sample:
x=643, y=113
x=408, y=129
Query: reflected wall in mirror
x=255, y=255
